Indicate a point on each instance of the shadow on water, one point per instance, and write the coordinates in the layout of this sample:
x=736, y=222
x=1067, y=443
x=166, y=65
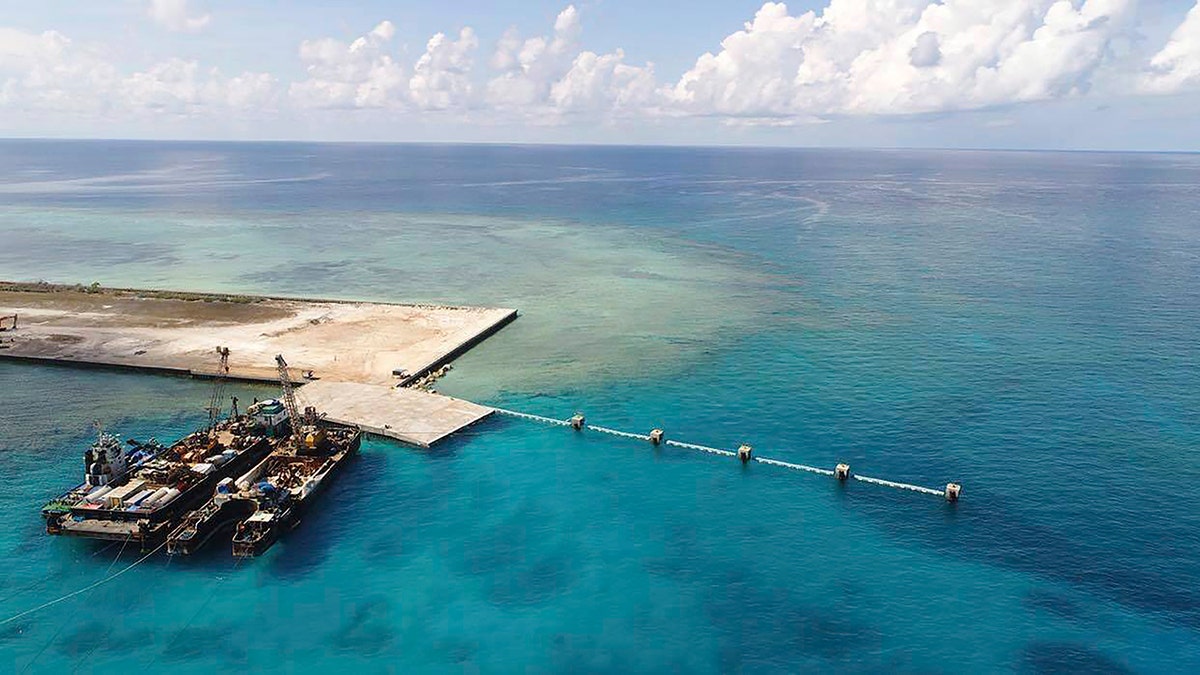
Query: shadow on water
x=226, y=641
x=416, y=504
x=329, y=519
x=983, y=528
x=1055, y=603
x=761, y=626
x=520, y=563
x=1068, y=657
x=95, y=637
x=448, y=448
x=765, y=627
x=367, y=630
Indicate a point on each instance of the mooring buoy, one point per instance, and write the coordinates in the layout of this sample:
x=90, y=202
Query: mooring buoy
x=841, y=472
x=577, y=422
x=745, y=452
x=656, y=436
x=952, y=491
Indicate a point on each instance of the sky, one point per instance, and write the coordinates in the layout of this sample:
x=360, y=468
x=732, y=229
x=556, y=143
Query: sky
x=1015, y=74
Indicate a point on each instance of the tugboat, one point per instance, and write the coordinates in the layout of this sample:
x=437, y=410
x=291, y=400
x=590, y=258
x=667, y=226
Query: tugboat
x=284, y=484
x=106, y=464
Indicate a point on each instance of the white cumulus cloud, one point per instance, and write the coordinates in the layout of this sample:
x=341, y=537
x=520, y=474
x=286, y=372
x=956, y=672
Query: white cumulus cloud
x=175, y=15
x=442, y=76
x=530, y=67
x=182, y=87
x=864, y=58
x=545, y=77
x=603, y=82
x=881, y=57
x=361, y=74
x=1177, y=65
x=48, y=73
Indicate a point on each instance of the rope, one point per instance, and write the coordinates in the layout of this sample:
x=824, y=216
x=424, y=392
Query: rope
x=623, y=434
x=798, y=467
x=47, y=578
x=535, y=418
x=85, y=589
x=900, y=486
x=114, y=562
x=69, y=618
x=723, y=453
x=216, y=587
x=701, y=448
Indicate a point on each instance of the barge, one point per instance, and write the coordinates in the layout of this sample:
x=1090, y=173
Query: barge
x=140, y=497
x=285, y=484
x=271, y=497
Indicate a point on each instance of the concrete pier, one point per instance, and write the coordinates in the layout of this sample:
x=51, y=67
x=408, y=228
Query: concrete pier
x=408, y=415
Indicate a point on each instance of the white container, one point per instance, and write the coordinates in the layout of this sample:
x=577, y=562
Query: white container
x=158, y=495
x=167, y=498
x=138, y=498
x=97, y=495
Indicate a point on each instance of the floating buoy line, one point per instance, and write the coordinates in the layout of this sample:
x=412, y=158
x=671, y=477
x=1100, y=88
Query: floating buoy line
x=951, y=492
x=744, y=453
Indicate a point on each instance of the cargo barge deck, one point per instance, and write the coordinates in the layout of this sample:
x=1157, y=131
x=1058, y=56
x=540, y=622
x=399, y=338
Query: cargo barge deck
x=142, y=500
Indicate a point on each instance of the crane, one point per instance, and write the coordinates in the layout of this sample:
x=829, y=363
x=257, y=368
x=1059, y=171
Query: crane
x=289, y=398
x=217, y=401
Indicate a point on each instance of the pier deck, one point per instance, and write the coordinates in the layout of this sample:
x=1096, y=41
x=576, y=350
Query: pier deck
x=343, y=341
x=408, y=415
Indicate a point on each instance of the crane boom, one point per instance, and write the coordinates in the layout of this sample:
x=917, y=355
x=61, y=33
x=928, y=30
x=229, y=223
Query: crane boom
x=289, y=397
x=216, y=401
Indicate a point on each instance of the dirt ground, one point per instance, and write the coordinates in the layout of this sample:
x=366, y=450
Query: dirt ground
x=339, y=341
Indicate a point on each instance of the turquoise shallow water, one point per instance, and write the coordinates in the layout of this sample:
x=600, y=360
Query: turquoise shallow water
x=1023, y=323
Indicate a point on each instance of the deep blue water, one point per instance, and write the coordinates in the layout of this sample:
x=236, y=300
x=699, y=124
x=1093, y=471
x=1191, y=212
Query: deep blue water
x=1024, y=323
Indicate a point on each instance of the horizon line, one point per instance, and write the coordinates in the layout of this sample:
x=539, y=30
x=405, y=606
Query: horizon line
x=591, y=144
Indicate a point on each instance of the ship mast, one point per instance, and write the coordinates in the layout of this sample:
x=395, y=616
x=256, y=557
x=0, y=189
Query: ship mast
x=289, y=398
x=217, y=400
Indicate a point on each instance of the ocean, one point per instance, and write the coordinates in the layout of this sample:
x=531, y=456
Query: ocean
x=1026, y=324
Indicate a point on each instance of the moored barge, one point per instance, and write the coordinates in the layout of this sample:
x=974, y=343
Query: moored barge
x=143, y=501
x=284, y=485
x=271, y=497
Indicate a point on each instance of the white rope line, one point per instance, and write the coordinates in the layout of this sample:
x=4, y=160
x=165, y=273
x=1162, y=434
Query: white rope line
x=724, y=453
x=85, y=589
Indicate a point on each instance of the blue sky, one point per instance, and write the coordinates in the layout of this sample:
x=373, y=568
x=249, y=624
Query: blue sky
x=1075, y=74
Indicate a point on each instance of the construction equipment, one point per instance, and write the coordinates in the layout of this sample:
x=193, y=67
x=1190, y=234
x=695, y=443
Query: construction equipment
x=289, y=400
x=217, y=400
x=11, y=320
x=307, y=436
